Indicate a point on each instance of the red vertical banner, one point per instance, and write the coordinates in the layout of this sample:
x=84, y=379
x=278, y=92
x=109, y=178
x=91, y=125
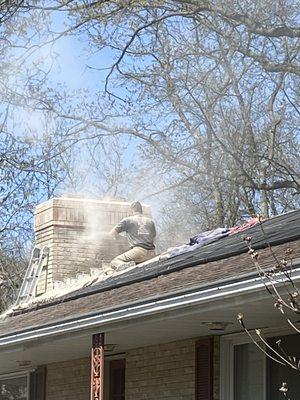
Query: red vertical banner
x=97, y=367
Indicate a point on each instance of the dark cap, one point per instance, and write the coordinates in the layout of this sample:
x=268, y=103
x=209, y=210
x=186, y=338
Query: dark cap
x=136, y=207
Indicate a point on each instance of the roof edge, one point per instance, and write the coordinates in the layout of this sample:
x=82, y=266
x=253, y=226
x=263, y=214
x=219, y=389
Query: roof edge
x=246, y=283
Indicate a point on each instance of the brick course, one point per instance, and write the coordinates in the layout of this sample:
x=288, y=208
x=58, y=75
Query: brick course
x=161, y=372
x=68, y=380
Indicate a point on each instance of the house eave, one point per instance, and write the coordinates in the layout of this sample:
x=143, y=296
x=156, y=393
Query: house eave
x=146, y=308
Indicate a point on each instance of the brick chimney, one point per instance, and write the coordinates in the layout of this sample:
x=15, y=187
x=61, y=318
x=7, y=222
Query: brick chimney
x=76, y=232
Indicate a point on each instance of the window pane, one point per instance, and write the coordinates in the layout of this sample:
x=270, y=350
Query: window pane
x=278, y=373
x=248, y=372
x=13, y=388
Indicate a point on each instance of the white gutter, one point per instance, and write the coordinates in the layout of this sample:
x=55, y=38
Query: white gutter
x=145, y=309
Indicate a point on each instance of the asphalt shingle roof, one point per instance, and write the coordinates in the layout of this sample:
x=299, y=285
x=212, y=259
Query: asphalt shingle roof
x=224, y=260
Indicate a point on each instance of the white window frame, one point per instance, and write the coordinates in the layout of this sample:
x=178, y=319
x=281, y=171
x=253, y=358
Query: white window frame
x=227, y=344
x=19, y=374
x=227, y=365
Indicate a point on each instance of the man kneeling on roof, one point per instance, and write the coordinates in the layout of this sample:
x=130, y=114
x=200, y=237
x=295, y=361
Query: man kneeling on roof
x=140, y=232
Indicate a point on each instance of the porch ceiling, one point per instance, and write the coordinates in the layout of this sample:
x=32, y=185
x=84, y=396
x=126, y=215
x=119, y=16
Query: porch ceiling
x=164, y=327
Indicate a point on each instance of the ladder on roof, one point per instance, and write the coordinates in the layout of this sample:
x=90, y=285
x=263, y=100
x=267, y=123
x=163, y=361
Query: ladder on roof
x=38, y=260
